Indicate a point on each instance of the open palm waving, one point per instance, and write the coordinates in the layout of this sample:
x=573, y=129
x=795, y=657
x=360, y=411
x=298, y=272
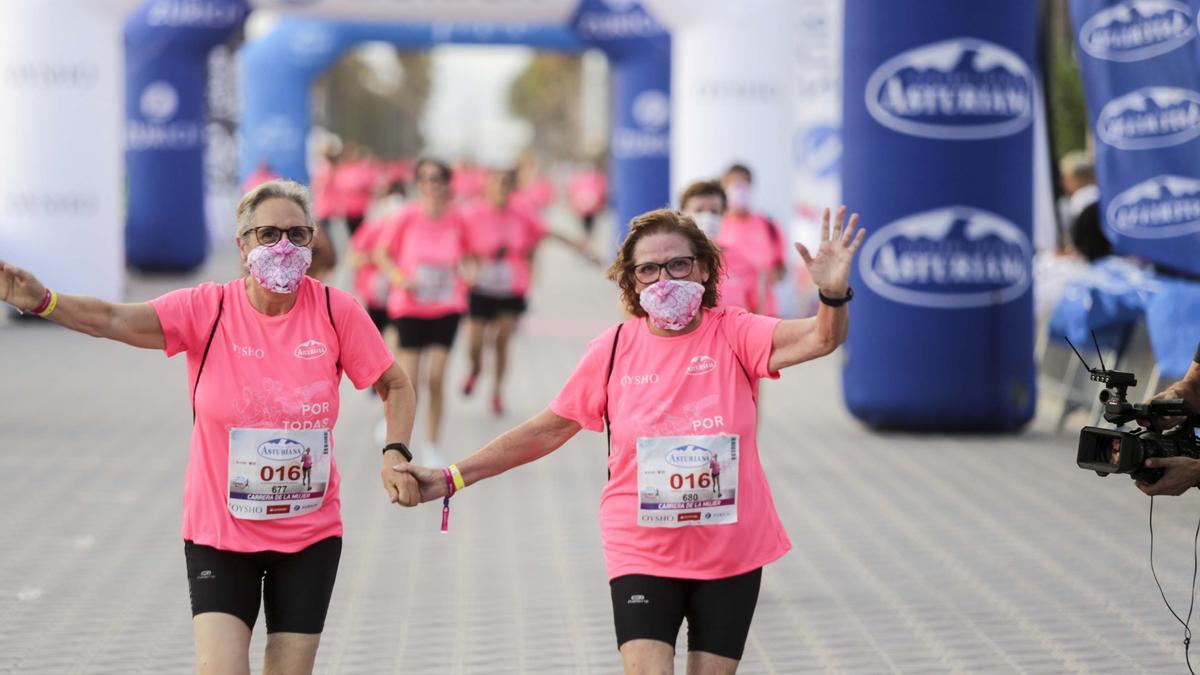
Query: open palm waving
x=830, y=267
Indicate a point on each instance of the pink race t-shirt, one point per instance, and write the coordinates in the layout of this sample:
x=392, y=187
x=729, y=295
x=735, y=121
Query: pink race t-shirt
x=263, y=372
x=429, y=253
x=758, y=243
x=504, y=240
x=688, y=385
x=587, y=192
x=354, y=183
x=326, y=200
x=739, y=287
x=369, y=284
x=535, y=196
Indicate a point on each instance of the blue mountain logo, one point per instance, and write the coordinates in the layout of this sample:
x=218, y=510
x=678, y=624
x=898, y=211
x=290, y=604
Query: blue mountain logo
x=954, y=257
x=960, y=89
x=1135, y=30
x=1151, y=117
x=1162, y=207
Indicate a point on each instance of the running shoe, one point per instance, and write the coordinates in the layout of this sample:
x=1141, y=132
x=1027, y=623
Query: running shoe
x=469, y=383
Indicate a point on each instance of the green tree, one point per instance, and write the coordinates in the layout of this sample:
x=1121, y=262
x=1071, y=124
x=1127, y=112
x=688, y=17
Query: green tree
x=352, y=100
x=547, y=95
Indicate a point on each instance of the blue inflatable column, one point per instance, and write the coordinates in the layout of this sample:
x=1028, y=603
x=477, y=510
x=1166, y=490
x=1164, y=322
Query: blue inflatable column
x=166, y=53
x=939, y=108
x=639, y=151
x=275, y=78
x=640, y=147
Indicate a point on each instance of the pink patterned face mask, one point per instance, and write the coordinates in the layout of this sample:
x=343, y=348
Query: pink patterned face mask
x=672, y=303
x=279, y=268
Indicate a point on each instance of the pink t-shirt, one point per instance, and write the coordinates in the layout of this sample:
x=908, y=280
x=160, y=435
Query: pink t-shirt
x=326, y=200
x=429, y=253
x=354, y=182
x=535, y=196
x=368, y=283
x=255, y=377
x=679, y=386
x=466, y=183
x=504, y=241
x=257, y=178
x=587, y=192
x=739, y=287
x=752, y=238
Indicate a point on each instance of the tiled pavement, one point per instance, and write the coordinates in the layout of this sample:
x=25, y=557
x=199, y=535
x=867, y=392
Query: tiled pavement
x=915, y=554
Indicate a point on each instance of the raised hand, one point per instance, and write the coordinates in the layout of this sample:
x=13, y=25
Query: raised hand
x=20, y=288
x=829, y=269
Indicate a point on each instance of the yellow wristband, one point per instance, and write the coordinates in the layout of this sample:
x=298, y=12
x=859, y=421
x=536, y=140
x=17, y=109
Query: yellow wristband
x=45, y=313
x=458, y=479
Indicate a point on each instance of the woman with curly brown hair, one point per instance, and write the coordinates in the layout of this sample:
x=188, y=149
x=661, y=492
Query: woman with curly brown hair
x=675, y=386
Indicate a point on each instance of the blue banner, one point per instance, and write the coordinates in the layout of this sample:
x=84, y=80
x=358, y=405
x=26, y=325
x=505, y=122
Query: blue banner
x=939, y=100
x=1141, y=76
x=166, y=53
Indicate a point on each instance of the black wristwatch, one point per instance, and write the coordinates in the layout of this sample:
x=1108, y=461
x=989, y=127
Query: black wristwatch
x=839, y=301
x=402, y=448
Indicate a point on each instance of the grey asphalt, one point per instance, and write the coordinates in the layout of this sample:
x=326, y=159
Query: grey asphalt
x=912, y=553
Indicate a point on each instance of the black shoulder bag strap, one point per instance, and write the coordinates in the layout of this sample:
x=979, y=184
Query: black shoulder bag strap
x=612, y=360
x=207, y=346
x=329, y=308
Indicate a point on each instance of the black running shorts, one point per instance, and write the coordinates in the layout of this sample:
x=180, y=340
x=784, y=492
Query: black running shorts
x=718, y=611
x=294, y=587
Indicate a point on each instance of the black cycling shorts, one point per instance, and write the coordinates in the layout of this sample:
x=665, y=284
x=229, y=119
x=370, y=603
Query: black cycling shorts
x=294, y=587
x=488, y=307
x=379, y=317
x=420, y=333
x=718, y=611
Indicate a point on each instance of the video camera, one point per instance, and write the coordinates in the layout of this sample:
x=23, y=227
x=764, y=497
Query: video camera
x=1108, y=451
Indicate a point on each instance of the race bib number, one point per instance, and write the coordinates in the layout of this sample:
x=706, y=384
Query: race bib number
x=434, y=284
x=495, y=278
x=277, y=474
x=687, y=480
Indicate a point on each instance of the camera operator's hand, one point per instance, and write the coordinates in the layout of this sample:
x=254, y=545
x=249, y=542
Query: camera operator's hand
x=1187, y=389
x=1182, y=473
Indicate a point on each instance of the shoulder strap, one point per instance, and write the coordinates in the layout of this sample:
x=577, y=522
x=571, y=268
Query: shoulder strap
x=207, y=346
x=612, y=360
x=329, y=309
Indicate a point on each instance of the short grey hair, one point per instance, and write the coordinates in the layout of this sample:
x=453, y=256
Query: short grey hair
x=272, y=189
x=1078, y=164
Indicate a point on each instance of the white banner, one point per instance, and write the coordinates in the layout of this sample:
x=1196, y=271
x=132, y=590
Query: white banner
x=816, y=148
x=732, y=81
x=61, y=186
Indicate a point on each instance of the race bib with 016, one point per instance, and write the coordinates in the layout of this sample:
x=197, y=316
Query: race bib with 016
x=277, y=474
x=687, y=480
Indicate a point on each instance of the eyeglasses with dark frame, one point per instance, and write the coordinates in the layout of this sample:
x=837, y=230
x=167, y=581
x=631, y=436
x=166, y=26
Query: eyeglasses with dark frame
x=269, y=235
x=677, y=268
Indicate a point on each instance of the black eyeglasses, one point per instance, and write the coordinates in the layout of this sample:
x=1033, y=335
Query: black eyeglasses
x=270, y=235
x=677, y=268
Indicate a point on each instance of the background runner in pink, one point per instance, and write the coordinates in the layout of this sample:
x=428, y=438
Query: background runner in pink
x=415, y=240
x=514, y=232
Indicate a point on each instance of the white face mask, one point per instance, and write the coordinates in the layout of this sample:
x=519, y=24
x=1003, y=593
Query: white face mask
x=708, y=222
x=738, y=195
x=672, y=304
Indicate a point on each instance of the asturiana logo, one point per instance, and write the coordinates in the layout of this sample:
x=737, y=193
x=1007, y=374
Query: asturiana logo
x=1151, y=117
x=281, y=449
x=701, y=364
x=1164, y=206
x=310, y=350
x=959, y=89
x=949, y=258
x=1135, y=30
x=689, y=457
